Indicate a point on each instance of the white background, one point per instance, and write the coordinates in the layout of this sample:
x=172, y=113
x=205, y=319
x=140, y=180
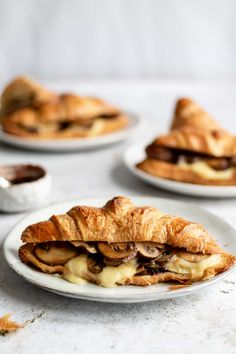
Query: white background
x=58, y=39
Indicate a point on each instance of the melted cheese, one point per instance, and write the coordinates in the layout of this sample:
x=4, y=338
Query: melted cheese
x=77, y=271
x=194, y=269
x=205, y=171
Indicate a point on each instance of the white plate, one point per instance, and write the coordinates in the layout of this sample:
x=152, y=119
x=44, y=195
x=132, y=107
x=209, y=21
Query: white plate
x=75, y=143
x=136, y=153
x=222, y=231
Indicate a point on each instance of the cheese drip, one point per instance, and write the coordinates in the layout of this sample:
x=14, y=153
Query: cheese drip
x=205, y=171
x=77, y=272
x=196, y=270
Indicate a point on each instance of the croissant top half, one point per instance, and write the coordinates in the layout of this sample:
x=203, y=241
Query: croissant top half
x=121, y=221
x=26, y=102
x=188, y=113
x=215, y=143
x=23, y=92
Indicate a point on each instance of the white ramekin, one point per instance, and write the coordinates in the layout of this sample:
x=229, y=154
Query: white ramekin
x=27, y=195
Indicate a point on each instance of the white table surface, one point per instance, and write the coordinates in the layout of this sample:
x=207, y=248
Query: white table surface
x=204, y=322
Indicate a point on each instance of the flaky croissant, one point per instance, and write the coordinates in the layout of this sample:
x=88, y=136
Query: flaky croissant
x=114, y=236
x=188, y=113
x=121, y=221
x=29, y=110
x=196, y=150
x=23, y=92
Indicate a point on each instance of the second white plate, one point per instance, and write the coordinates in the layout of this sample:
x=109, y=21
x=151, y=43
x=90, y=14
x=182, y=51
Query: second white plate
x=222, y=232
x=136, y=153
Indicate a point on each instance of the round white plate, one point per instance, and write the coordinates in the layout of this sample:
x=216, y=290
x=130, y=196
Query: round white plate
x=136, y=153
x=222, y=232
x=75, y=143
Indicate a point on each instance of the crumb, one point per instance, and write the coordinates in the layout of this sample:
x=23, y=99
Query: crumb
x=226, y=245
x=7, y=326
x=178, y=286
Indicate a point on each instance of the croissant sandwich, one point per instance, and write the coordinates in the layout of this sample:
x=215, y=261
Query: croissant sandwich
x=30, y=110
x=122, y=244
x=197, y=150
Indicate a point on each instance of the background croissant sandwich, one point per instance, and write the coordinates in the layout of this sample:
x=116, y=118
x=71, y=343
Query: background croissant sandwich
x=197, y=150
x=30, y=110
x=123, y=244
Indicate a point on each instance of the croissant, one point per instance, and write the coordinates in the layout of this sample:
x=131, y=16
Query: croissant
x=29, y=110
x=121, y=243
x=23, y=92
x=188, y=113
x=197, y=150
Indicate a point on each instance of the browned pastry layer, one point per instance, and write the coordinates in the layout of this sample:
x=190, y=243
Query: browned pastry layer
x=121, y=221
x=188, y=113
x=27, y=256
x=213, y=143
x=23, y=92
x=177, y=173
x=36, y=113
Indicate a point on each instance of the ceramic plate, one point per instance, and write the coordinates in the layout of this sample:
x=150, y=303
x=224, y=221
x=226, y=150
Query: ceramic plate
x=222, y=231
x=73, y=144
x=136, y=153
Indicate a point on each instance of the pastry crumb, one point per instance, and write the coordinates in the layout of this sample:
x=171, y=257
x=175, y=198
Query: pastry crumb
x=7, y=326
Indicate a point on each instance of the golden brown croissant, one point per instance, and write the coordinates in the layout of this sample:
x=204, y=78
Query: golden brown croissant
x=126, y=238
x=196, y=150
x=23, y=92
x=28, y=110
x=188, y=113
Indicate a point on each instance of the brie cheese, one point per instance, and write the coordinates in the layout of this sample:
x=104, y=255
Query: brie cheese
x=77, y=272
x=205, y=171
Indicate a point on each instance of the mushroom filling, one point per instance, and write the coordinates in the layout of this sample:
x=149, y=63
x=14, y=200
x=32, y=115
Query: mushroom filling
x=149, y=257
x=174, y=156
x=64, y=124
x=110, y=264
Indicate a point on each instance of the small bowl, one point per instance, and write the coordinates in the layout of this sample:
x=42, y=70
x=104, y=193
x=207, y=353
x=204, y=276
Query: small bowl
x=29, y=187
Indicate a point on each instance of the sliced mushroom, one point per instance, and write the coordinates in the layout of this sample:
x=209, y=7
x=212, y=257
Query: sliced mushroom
x=120, y=251
x=148, y=249
x=219, y=164
x=141, y=270
x=233, y=161
x=53, y=254
x=112, y=262
x=85, y=245
x=95, y=264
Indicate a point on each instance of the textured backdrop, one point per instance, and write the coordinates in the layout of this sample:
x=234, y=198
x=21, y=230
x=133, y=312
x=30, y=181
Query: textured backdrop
x=120, y=38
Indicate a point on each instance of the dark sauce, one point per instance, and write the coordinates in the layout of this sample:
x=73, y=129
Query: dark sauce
x=17, y=174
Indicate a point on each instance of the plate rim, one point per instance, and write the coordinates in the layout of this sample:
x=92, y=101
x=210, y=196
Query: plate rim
x=136, y=121
x=93, y=296
x=197, y=190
